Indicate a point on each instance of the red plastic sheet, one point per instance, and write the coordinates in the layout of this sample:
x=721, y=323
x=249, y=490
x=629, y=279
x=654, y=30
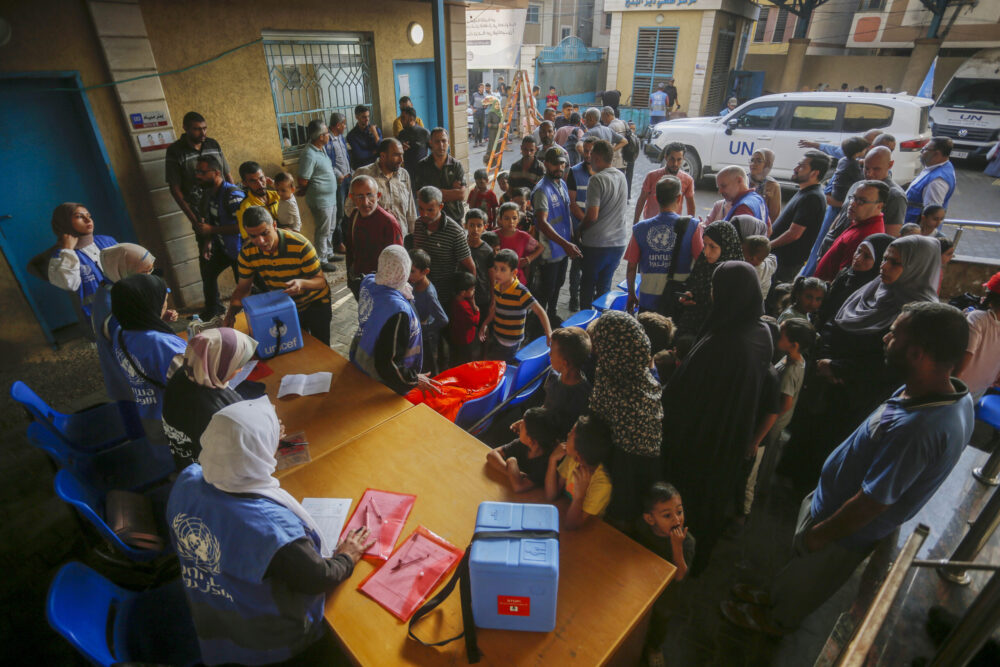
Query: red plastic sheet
x=405, y=580
x=383, y=513
x=460, y=384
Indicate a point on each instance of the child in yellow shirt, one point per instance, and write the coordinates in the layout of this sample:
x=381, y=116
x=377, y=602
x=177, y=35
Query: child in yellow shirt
x=576, y=469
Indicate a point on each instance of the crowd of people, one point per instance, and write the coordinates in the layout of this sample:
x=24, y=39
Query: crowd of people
x=818, y=317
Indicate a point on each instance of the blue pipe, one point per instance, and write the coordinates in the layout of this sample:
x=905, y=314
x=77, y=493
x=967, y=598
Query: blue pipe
x=441, y=60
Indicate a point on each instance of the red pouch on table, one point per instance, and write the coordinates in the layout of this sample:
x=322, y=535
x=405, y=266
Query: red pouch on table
x=261, y=370
x=383, y=513
x=411, y=573
x=460, y=384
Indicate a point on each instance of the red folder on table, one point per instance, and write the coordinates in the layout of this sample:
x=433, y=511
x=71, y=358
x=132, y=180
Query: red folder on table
x=383, y=513
x=411, y=573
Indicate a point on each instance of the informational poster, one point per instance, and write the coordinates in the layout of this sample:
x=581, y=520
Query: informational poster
x=147, y=119
x=493, y=37
x=404, y=84
x=155, y=141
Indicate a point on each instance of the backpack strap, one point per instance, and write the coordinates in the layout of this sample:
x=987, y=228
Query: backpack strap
x=461, y=576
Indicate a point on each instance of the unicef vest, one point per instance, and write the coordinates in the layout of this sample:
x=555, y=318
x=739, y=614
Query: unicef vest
x=657, y=241
x=91, y=275
x=225, y=544
x=753, y=201
x=148, y=357
x=559, y=215
x=658, y=104
x=376, y=305
x=915, y=193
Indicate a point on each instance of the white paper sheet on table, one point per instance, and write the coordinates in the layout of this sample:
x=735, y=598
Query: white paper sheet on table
x=305, y=385
x=330, y=515
x=242, y=375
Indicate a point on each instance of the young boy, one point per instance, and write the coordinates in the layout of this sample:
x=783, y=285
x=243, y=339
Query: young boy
x=429, y=310
x=757, y=253
x=659, y=330
x=483, y=198
x=662, y=531
x=796, y=338
x=981, y=364
x=288, y=208
x=509, y=310
x=503, y=181
x=567, y=391
x=576, y=468
x=482, y=256
x=526, y=459
x=552, y=99
x=464, y=321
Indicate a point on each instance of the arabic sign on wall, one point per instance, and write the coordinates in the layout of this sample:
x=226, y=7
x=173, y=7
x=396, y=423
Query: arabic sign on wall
x=493, y=37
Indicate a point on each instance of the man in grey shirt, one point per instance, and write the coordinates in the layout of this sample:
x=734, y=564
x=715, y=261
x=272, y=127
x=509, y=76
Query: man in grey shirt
x=592, y=120
x=878, y=162
x=604, y=229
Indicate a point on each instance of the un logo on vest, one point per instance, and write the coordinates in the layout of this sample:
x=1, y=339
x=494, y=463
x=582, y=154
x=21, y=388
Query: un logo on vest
x=196, y=543
x=277, y=330
x=365, y=305
x=660, y=239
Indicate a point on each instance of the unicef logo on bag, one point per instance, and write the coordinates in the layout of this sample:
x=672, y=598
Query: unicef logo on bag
x=660, y=240
x=365, y=305
x=278, y=330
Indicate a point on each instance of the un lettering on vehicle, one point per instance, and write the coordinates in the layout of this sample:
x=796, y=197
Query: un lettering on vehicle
x=741, y=148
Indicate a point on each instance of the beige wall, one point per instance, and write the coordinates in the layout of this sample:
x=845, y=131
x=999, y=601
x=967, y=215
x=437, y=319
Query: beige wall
x=855, y=70
x=689, y=23
x=51, y=35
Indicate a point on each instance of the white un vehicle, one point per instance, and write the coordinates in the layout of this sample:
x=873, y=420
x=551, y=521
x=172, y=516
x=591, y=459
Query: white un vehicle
x=779, y=122
x=968, y=109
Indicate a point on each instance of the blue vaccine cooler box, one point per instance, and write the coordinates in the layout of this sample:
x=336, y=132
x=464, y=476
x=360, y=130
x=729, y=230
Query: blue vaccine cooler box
x=274, y=323
x=515, y=582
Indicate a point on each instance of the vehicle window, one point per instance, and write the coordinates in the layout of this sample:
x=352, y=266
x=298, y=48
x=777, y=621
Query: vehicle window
x=860, y=118
x=813, y=118
x=758, y=118
x=983, y=94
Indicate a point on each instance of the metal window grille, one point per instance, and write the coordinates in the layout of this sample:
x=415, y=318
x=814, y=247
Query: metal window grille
x=312, y=79
x=779, y=26
x=716, y=98
x=654, y=62
x=758, y=34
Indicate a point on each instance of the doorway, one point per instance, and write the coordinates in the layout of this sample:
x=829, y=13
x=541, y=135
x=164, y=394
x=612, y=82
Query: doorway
x=52, y=150
x=415, y=78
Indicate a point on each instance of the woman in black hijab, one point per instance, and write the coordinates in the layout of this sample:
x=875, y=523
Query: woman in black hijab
x=862, y=270
x=710, y=405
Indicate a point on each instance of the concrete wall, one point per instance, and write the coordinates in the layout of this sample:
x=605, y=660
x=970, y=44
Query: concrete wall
x=50, y=35
x=855, y=70
x=689, y=23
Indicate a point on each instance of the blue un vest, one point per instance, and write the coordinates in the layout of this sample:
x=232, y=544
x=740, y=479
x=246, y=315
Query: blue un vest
x=658, y=104
x=559, y=215
x=656, y=239
x=91, y=275
x=915, y=193
x=582, y=178
x=115, y=380
x=754, y=202
x=152, y=351
x=376, y=305
x=225, y=544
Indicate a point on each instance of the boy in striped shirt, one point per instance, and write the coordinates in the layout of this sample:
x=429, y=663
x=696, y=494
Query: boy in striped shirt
x=511, y=301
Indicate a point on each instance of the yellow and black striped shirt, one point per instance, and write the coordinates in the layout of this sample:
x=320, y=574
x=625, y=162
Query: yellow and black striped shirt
x=511, y=310
x=294, y=257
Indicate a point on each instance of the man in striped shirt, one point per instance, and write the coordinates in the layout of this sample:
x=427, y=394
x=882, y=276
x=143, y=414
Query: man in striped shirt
x=511, y=301
x=282, y=260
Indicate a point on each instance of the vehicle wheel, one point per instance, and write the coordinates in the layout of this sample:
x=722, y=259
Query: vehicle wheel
x=692, y=163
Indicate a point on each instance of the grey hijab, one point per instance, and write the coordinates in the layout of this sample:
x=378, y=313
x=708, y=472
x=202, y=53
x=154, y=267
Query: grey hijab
x=747, y=225
x=872, y=309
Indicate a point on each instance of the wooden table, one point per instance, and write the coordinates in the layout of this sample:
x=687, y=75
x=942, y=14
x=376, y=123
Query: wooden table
x=607, y=585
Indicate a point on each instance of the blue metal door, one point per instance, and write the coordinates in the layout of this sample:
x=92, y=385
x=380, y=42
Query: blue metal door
x=52, y=152
x=415, y=78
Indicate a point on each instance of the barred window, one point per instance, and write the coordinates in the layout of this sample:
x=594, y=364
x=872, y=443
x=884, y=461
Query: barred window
x=758, y=34
x=654, y=62
x=313, y=76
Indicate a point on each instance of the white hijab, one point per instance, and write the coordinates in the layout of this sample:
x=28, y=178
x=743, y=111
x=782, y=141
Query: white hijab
x=394, y=270
x=237, y=455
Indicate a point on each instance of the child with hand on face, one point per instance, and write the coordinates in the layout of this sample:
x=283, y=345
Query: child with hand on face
x=464, y=321
x=428, y=307
x=576, y=469
x=661, y=530
x=521, y=242
x=288, y=209
x=483, y=198
x=526, y=459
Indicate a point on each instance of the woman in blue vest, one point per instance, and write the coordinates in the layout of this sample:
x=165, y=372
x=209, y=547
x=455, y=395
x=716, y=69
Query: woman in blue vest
x=387, y=345
x=143, y=344
x=119, y=262
x=252, y=560
x=75, y=265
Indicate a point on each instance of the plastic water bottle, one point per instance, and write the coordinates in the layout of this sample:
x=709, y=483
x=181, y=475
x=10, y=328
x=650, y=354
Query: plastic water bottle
x=194, y=326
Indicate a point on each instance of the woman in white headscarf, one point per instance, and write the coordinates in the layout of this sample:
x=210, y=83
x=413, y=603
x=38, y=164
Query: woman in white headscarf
x=388, y=344
x=256, y=569
x=851, y=377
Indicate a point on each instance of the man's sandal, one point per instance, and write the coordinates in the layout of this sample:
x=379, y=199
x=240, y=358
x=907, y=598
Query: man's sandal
x=747, y=593
x=749, y=617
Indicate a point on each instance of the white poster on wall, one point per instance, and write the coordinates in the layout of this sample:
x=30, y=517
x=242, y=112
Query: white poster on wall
x=493, y=37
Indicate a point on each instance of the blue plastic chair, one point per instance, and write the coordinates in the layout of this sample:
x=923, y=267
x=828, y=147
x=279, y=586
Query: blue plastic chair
x=110, y=625
x=613, y=300
x=532, y=359
x=988, y=410
x=88, y=431
x=581, y=318
x=90, y=503
x=623, y=285
x=474, y=410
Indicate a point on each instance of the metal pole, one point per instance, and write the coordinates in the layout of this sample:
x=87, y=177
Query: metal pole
x=973, y=542
x=856, y=652
x=952, y=564
x=973, y=629
x=958, y=237
x=989, y=472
